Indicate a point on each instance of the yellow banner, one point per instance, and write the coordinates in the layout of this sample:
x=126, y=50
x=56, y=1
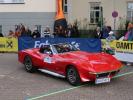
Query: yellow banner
x=119, y=46
x=8, y=44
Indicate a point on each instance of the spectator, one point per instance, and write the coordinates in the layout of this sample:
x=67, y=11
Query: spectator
x=28, y=32
x=69, y=30
x=130, y=37
x=110, y=30
x=105, y=32
x=111, y=34
x=61, y=32
x=98, y=33
x=1, y=35
x=47, y=32
x=36, y=34
x=55, y=32
x=129, y=34
x=23, y=31
x=17, y=31
x=75, y=31
x=11, y=33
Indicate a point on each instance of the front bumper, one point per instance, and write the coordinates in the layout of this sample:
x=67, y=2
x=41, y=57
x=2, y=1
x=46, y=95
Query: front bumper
x=104, y=74
x=92, y=76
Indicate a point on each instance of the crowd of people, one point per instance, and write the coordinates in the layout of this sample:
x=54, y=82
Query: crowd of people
x=23, y=31
x=71, y=31
x=59, y=31
x=107, y=33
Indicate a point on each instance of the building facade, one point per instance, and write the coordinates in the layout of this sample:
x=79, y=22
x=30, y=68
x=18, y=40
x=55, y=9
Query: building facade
x=41, y=13
x=96, y=11
x=32, y=13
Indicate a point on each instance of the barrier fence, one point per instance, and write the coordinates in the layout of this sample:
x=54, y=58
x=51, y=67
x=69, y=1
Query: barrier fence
x=85, y=44
x=8, y=44
x=123, y=50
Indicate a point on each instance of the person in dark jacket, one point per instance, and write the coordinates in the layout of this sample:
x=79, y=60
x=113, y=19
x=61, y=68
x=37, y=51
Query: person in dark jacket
x=69, y=30
x=75, y=31
x=28, y=31
x=36, y=34
x=98, y=33
x=23, y=31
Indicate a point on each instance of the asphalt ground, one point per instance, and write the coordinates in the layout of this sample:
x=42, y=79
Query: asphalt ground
x=17, y=84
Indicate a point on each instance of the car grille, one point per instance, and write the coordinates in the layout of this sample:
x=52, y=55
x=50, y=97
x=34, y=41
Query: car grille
x=106, y=74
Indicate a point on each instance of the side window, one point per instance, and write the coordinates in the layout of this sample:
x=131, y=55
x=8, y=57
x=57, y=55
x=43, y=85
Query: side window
x=130, y=11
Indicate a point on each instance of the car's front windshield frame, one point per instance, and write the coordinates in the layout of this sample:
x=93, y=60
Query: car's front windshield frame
x=62, y=48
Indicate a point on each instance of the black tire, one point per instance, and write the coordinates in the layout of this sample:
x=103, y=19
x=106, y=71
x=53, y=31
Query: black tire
x=73, y=77
x=29, y=65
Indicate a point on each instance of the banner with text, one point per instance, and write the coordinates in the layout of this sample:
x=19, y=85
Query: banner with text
x=85, y=44
x=123, y=50
x=8, y=44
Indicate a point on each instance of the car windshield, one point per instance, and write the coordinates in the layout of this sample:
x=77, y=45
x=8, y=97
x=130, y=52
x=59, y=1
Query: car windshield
x=61, y=48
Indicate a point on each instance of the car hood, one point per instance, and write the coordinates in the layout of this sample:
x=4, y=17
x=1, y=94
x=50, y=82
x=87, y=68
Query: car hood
x=95, y=62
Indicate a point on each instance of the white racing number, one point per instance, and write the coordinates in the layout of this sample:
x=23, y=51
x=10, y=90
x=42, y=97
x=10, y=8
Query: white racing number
x=48, y=60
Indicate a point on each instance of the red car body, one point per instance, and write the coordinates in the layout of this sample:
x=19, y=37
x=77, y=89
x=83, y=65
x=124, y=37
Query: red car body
x=89, y=66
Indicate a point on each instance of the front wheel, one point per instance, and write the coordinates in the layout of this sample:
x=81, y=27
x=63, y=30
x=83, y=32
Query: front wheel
x=73, y=76
x=28, y=64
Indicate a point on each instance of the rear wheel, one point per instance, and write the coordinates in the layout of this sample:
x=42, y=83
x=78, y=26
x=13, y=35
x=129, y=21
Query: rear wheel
x=73, y=76
x=29, y=65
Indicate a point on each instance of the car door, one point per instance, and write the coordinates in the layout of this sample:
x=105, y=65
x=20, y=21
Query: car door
x=55, y=63
x=38, y=60
x=48, y=58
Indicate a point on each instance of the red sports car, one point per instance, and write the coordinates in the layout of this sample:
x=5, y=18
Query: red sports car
x=66, y=61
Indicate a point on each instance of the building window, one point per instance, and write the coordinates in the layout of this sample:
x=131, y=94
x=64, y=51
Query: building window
x=130, y=11
x=65, y=8
x=11, y=1
x=0, y=28
x=95, y=12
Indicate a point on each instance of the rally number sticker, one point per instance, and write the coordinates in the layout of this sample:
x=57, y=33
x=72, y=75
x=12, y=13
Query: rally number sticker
x=48, y=60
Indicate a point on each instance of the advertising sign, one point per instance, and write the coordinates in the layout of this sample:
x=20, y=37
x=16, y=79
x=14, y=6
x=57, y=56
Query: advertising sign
x=123, y=50
x=85, y=44
x=114, y=14
x=8, y=44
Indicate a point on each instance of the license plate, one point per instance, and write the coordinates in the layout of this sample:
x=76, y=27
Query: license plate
x=102, y=80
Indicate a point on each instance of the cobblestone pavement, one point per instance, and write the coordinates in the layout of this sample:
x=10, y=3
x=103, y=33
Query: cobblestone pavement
x=17, y=84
